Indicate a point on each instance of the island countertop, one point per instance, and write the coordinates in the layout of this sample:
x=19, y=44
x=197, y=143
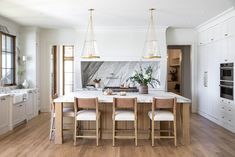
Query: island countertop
x=141, y=98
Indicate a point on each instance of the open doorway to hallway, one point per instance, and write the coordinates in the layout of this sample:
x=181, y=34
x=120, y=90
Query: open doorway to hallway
x=179, y=70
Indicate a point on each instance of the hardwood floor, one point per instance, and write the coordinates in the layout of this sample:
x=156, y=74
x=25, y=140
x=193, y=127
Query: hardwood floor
x=31, y=140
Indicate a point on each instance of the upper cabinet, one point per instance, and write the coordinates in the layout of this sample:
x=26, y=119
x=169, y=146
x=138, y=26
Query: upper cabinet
x=218, y=32
x=227, y=28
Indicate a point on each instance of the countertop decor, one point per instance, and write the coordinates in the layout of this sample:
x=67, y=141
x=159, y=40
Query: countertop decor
x=144, y=78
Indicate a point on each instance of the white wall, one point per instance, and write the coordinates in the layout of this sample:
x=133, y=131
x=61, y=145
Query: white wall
x=186, y=36
x=28, y=48
x=114, y=44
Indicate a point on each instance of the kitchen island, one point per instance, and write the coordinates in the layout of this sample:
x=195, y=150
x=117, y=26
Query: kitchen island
x=144, y=105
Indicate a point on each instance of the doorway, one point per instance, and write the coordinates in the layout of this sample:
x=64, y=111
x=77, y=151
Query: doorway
x=179, y=70
x=62, y=69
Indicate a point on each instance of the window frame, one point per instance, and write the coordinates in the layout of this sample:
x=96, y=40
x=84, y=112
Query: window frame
x=67, y=59
x=14, y=58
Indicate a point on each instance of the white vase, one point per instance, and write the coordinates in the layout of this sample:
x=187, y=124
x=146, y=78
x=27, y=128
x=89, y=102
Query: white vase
x=25, y=84
x=97, y=85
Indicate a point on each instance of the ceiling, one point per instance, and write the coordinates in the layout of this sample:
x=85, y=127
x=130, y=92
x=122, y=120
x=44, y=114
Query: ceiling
x=111, y=13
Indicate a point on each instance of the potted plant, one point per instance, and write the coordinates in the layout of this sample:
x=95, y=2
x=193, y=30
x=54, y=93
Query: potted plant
x=144, y=78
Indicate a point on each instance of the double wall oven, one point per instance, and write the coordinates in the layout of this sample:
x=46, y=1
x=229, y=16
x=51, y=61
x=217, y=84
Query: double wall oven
x=227, y=81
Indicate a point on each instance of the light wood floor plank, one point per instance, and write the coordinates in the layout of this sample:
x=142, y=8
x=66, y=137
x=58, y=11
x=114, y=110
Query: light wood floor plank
x=31, y=140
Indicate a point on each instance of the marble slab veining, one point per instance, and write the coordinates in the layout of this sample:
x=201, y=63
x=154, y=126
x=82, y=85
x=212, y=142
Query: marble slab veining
x=113, y=74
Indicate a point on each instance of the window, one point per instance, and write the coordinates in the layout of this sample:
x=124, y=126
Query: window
x=68, y=69
x=7, y=59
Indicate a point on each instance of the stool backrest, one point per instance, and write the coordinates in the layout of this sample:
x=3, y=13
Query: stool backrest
x=127, y=103
x=164, y=103
x=85, y=103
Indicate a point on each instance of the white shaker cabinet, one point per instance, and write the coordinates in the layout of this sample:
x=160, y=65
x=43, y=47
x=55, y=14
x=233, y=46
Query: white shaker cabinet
x=4, y=114
x=18, y=113
x=31, y=105
x=216, y=46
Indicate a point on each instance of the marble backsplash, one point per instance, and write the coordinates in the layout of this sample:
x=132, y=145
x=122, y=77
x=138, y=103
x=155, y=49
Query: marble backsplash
x=114, y=73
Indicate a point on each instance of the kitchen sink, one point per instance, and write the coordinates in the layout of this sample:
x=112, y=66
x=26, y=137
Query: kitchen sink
x=19, y=97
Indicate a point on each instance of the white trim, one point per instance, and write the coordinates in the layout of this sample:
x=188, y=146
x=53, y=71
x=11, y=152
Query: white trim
x=217, y=19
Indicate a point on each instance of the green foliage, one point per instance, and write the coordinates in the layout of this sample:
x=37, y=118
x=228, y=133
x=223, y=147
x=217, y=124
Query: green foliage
x=144, y=77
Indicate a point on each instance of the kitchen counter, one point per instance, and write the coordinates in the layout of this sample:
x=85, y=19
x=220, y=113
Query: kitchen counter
x=144, y=105
x=3, y=95
x=141, y=98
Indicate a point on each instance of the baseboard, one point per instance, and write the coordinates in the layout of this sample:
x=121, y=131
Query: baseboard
x=217, y=121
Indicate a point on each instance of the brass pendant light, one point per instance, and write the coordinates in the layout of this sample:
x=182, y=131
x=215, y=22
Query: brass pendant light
x=90, y=50
x=151, y=49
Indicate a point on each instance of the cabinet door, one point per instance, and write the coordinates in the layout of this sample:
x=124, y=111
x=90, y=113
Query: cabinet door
x=35, y=103
x=231, y=49
x=4, y=112
x=222, y=46
x=224, y=30
x=18, y=113
x=203, y=37
x=213, y=79
x=30, y=106
x=231, y=26
x=202, y=69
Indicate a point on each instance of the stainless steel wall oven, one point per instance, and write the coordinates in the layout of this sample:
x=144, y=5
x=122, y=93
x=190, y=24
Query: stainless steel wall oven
x=227, y=81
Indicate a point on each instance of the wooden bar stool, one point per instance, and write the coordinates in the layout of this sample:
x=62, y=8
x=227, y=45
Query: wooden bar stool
x=67, y=112
x=86, y=109
x=124, y=109
x=161, y=112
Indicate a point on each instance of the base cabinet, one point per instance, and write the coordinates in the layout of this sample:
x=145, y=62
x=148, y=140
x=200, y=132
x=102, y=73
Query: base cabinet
x=31, y=105
x=18, y=113
x=4, y=114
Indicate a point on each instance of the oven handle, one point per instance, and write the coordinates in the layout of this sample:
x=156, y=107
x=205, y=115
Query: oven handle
x=224, y=68
x=231, y=87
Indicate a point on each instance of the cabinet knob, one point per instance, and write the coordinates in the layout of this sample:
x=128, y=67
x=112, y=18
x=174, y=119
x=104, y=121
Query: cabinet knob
x=212, y=39
x=223, y=117
x=226, y=34
x=229, y=110
x=229, y=120
x=3, y=99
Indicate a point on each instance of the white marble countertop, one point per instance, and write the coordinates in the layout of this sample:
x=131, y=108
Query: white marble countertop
x=16, y=91
x=141, y=98
x=3, y=94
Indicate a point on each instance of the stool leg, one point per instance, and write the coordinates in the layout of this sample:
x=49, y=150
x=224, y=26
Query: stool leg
x=175, y=133
x=113, y=132
x=97, y=132
x=152, y=132
x=150, y=129
x=169, y=128
x=136, y=132
x=99, y=128
x=75, y=132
